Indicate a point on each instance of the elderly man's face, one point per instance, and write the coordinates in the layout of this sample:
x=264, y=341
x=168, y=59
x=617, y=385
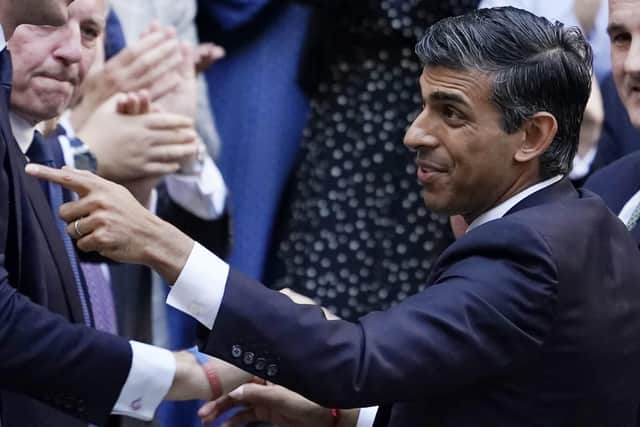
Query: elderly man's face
x=50, y=62
x=624, y=30
x=465, y=160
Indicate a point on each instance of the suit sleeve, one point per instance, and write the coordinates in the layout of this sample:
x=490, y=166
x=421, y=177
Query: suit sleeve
x=489, y=309
x=70, y=367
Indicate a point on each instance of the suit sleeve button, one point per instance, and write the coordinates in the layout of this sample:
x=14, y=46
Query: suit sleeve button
x=272, y=370
x=248, y=358
x=236, y=351
x=261, y=363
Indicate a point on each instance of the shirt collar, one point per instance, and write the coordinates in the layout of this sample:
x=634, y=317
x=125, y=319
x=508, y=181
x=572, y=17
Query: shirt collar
x=500, y=210
x=3, y=40
x=22, y=130
x=65, y=121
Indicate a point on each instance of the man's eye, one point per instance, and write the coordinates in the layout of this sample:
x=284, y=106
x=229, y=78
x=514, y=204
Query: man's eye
x=451, y=113
x=90, y=33
x=621, y=39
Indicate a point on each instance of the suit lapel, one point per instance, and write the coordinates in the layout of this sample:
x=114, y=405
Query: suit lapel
x=42, y=212
x=13, y=162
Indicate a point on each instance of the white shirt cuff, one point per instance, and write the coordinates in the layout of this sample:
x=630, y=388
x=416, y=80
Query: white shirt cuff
x=203, y=194
x=200, y=286
x=367, y=416
x=151, y=375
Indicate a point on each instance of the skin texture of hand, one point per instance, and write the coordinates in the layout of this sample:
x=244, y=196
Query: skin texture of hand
x=151, y=63
x=206, y=54
x=113, y=223
x=136, y=146
x=274, y=404
x=190, y=381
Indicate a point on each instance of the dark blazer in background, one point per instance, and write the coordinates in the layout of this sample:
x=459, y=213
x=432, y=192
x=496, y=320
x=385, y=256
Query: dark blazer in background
x=617, y=183
x=45, y=358
x=528, y=320
x=618, y=137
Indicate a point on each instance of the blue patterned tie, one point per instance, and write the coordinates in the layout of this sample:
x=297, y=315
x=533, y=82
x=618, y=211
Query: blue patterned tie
x=96, y=279
x=633, y=219
x=39, y=153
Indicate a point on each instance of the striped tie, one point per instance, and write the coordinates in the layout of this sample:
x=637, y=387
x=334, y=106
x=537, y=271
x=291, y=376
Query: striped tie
x=633, y=219
x=40, y=153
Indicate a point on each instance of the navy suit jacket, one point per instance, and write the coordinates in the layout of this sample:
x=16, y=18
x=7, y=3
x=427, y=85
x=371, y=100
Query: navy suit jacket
x=529, y=320
x=46, y=358
x=617, y=183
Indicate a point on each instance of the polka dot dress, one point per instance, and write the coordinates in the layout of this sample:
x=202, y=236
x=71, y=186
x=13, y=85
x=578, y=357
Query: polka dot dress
x=354, y=232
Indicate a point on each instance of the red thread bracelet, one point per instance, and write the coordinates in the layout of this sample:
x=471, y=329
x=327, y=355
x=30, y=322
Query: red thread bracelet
x=335, y=417
x=214, y=381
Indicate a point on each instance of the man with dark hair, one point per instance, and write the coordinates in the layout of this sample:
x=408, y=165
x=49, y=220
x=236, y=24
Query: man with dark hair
x=530, y=318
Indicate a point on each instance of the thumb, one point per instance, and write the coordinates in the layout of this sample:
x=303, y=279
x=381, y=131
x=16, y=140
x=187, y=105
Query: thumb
x=254, y=394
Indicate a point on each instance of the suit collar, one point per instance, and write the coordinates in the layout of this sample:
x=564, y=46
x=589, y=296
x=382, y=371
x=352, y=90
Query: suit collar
x=27, y=187
x=558, y=191
x=503, y=208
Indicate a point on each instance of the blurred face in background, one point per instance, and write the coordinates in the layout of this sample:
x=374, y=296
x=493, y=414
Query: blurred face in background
x=49, y=63
x=624, y=31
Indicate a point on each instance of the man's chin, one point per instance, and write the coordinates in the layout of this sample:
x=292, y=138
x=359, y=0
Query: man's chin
x=435, y=204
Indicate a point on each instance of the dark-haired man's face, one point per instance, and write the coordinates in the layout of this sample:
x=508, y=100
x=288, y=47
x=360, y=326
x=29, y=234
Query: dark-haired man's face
x=465, y=159
x=624, y=30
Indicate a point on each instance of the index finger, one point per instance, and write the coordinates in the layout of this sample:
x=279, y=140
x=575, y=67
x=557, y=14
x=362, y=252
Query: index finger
x=72, y=179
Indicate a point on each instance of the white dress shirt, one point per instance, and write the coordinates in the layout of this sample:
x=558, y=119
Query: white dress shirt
x=200, y=287
x=152, y=368
x=628, y=208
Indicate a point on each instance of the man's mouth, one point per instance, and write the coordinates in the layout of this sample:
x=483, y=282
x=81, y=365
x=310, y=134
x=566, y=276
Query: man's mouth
x=428, y=170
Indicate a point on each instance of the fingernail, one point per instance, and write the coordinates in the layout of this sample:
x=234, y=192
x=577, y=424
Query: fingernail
x=32, y=168
x=237, y=393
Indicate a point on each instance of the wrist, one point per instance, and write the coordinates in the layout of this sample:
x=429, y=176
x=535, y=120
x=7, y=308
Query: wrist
x=348, y=418
x=209, y=370
x=335, y=417
x=167, y=249
x=190, y=381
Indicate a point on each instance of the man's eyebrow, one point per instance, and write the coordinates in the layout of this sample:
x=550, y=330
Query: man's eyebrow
x=447, y=96
x=615, y=28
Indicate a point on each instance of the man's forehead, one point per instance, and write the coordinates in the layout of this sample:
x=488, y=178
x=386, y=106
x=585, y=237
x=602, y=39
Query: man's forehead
x=624, y=13
x=464, y=83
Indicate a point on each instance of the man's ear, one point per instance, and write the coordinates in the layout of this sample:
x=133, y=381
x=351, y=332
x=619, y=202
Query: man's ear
x=539, y=131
